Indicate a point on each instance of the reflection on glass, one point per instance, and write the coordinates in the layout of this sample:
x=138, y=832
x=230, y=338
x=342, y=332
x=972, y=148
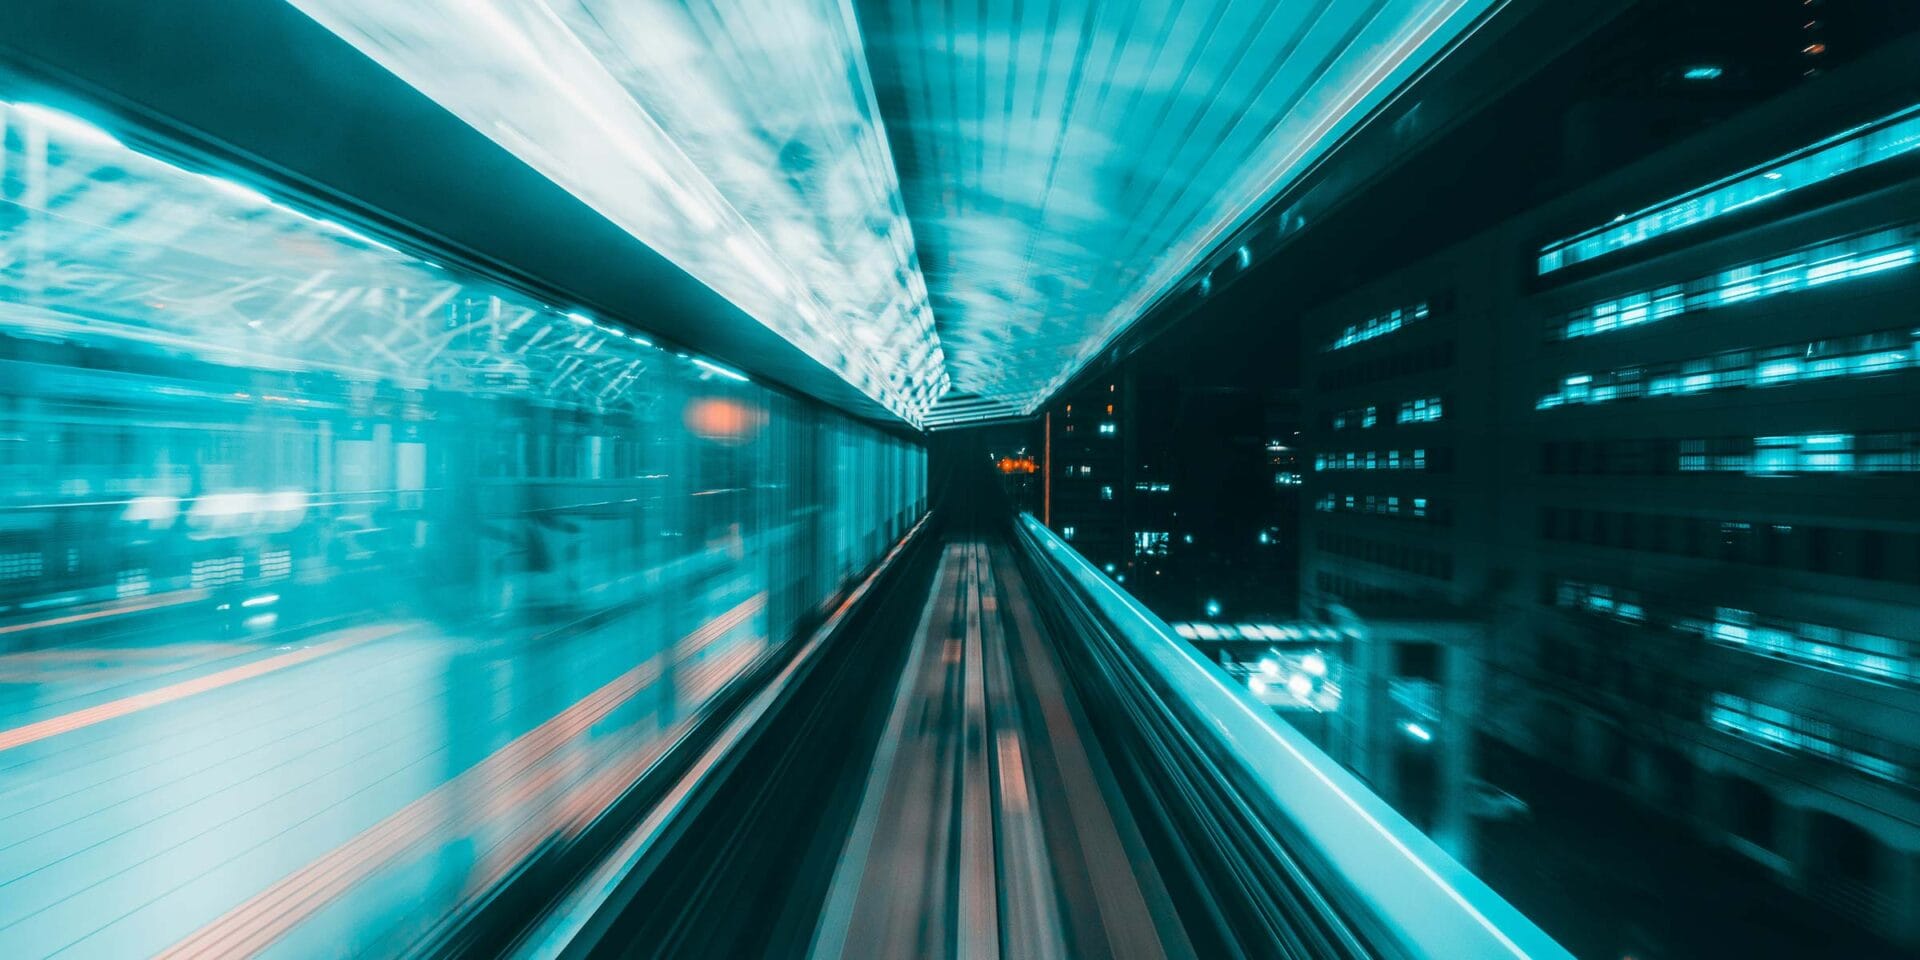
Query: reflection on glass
x=336, y=587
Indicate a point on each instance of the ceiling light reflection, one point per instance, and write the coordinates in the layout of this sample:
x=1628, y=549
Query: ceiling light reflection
x=738, y=140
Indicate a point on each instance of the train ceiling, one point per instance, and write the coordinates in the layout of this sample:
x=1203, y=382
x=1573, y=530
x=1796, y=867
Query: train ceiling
x=960, y=200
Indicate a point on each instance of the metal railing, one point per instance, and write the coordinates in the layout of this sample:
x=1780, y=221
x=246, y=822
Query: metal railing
x=1394, y=887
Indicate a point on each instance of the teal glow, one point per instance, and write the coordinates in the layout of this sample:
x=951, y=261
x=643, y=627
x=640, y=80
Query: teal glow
x=1894, y=135
x=1426, y=899
x=1704, y=72
x=712, y=367
x=1376, y=327
x=503, y=544
x=1796, y=454
x=1780, y=729
x=1804, y=269
x=745, y=142
x=741, y=142
x=1853, y=652
x=316, y=295
x=1864, y=355
x=1373, y=504
x=1394, y=459
x=1420, y=410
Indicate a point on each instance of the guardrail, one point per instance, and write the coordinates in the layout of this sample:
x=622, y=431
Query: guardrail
x=1410, y=890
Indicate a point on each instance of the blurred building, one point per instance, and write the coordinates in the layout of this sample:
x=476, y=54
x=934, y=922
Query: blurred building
x=1184, y=493
x=1648, y=455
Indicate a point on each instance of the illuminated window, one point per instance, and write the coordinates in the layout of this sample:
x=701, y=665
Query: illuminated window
x=1847, y=651
x=19, y=566
x=1108, y=428
x=1151, y=543
x=1380, y=326
x=1862, y=355
x=1371, y=460
x=1784, y=730
x=1422, y=410
x=1106, y=492
x=1803, y=269
x=1842, y=153
x=1066, y=532
x=1378, y=505
x=1360, y=417
x=1602, y=599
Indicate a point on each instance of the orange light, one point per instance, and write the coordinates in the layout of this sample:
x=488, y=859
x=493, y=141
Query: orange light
x=717, y=418
x=1012, y=465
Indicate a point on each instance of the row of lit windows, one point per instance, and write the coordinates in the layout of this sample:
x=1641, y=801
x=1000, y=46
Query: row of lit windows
x=19, y=566
x=1407, y=361
x=1802, y=269
x=1381, y=505
x=1850, y=150
x=1419, y=410
x=1847, y=651
x=1415, y=459
x=1358, y=418
x=1154, y=487
x=1864, y=355
x=1784, y=730
x=1399, y=556
x=1380, y=326
x=1602, y=599
x=1772, y=456
x=1151, y=543
x=1870, y=554
x=1804, y=453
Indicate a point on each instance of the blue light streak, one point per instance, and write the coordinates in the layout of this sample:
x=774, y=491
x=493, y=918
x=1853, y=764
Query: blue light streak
x=1807, y=268
x=712, y=367
x=1891, y=136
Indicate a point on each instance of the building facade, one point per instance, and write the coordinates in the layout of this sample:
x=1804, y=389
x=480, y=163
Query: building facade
x=1668, y=461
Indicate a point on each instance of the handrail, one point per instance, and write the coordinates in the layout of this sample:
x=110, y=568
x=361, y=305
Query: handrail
x=1429, y=901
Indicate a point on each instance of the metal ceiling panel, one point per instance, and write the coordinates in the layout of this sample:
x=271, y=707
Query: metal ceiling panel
x=1066, y=163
